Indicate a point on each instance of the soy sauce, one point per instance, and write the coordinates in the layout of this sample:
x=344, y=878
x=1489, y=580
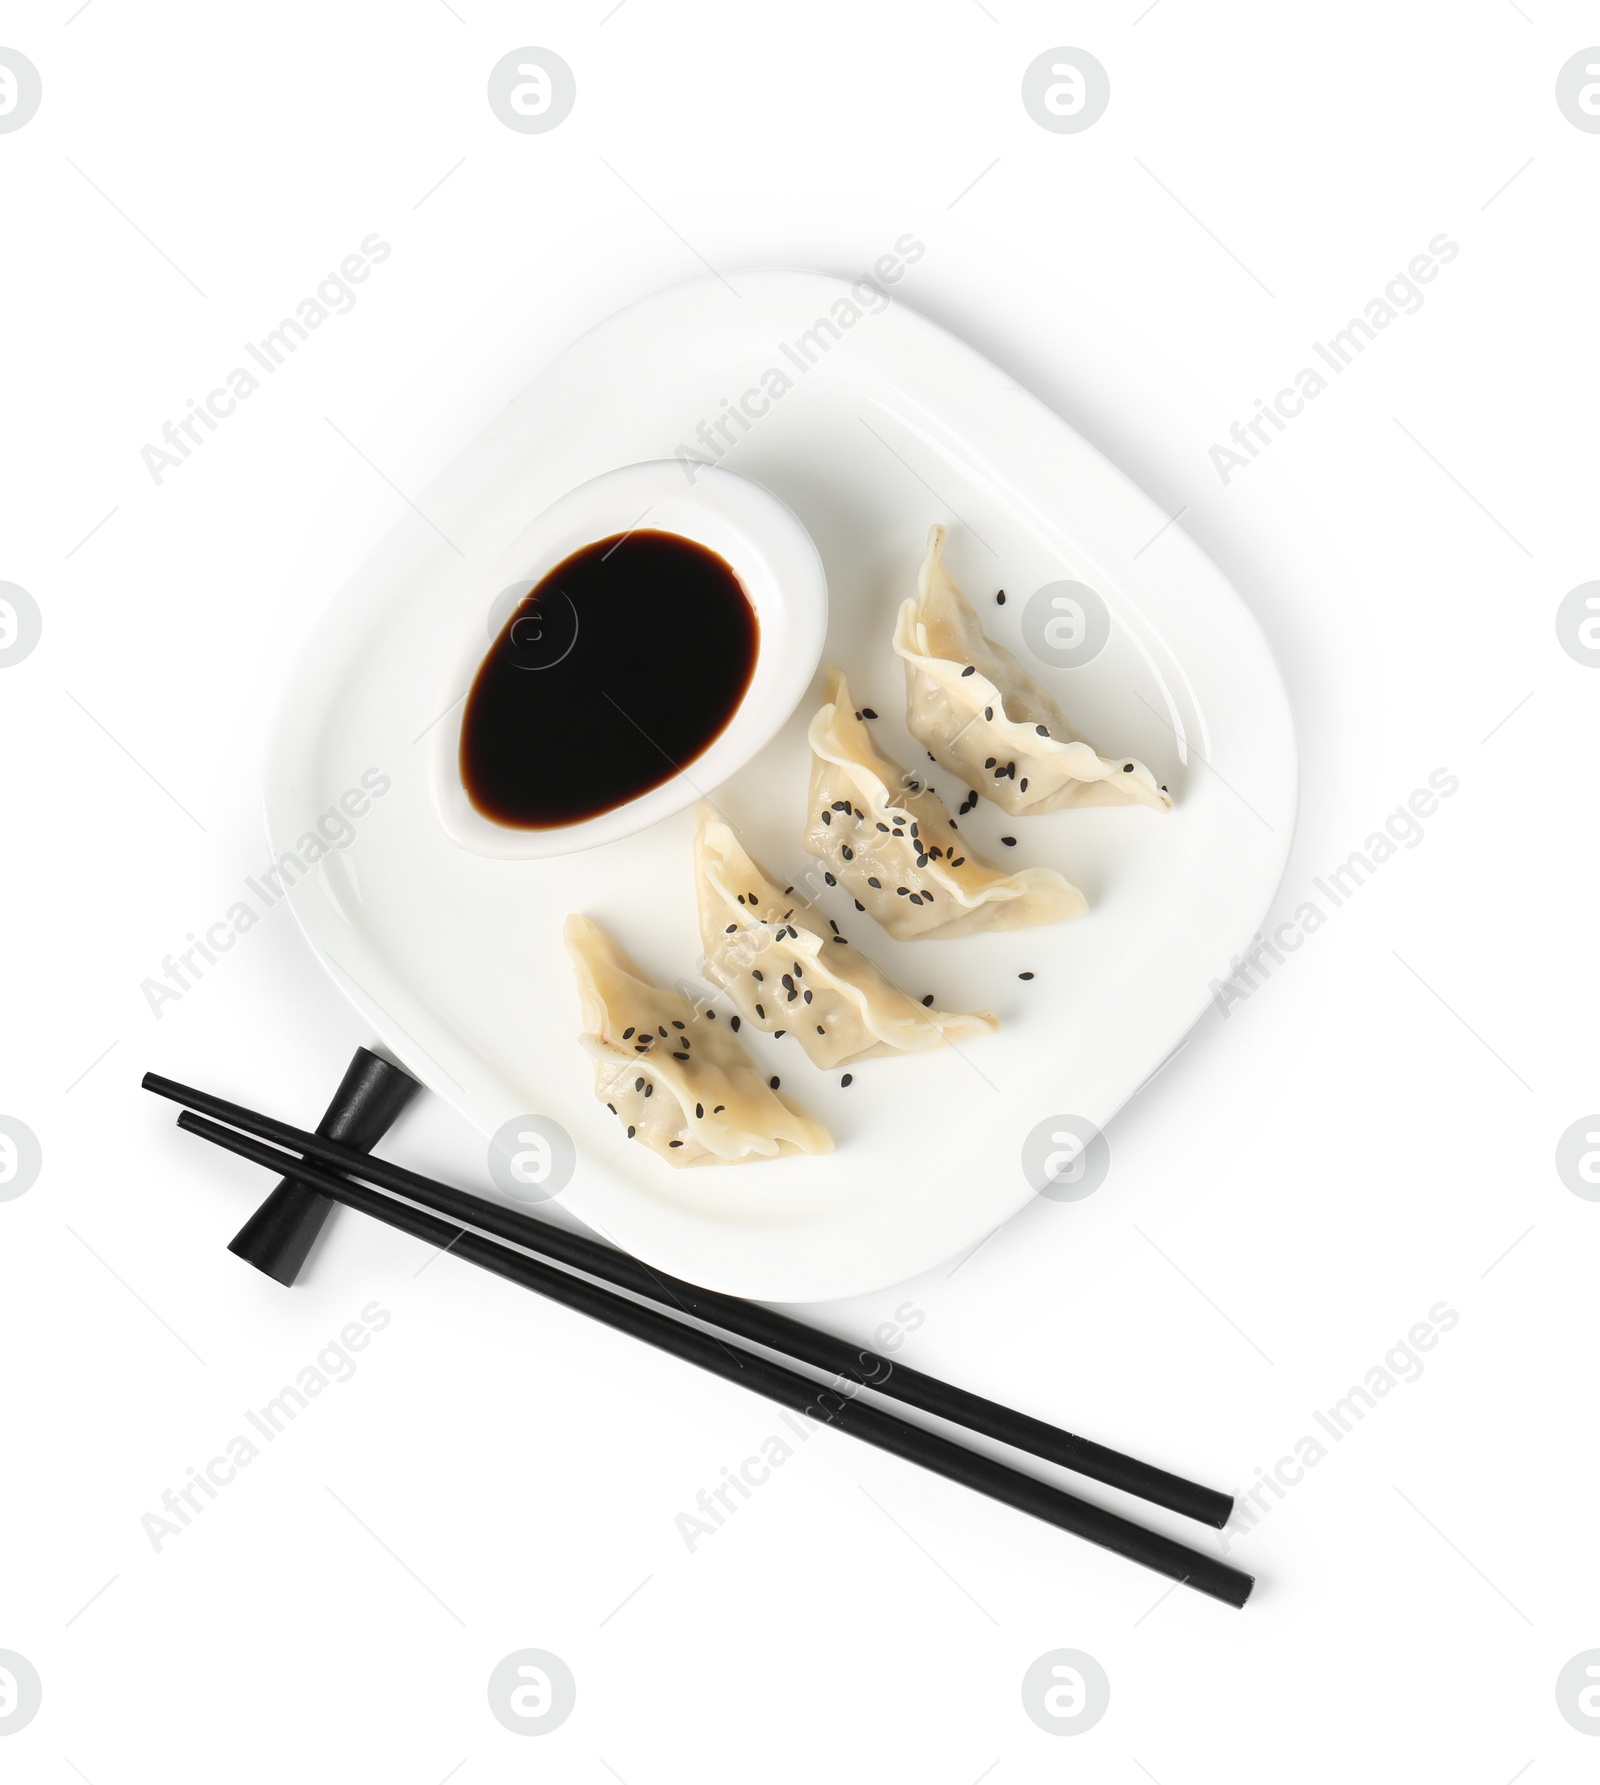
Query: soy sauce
x=618, y=669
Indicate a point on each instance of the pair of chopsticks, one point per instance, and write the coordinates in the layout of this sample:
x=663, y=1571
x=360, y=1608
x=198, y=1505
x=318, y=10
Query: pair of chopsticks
x=445, y=1216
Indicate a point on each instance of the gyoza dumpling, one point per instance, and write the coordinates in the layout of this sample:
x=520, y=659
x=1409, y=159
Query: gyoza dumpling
x=788, y=970
x=978, y=711
x=892, y=843
x=677, y=1078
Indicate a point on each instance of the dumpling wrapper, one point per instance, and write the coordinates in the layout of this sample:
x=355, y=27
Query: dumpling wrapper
x=892, y=844
x=955, y=675
x=658, y=1061
x=786, y=967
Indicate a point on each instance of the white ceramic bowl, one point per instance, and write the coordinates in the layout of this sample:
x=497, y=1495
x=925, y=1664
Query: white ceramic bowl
x=768, y=550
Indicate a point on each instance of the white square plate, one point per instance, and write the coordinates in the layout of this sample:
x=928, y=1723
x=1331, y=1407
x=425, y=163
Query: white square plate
x=457, y=960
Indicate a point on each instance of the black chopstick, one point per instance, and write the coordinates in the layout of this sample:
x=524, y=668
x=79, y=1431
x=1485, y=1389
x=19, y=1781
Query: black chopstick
x=1192, y=1568
x=750, y=1321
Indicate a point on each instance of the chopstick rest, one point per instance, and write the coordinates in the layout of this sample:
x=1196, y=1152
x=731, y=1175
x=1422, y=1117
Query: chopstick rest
x=1196, y=1569
x=279, y=1235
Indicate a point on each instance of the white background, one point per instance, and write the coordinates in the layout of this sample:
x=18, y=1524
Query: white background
x=1371, y=1133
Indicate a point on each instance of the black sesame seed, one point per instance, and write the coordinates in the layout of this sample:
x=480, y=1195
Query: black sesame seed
x=1000, y=599
x=756, y=973
x=884, y=828
x=788, y=980
x=1127, y=768
x=676, y=1024
x=1010, y=842
x=841, y=805
x=821, y=1030
x=1024, y=784
x=778, y=1034
x=868, y=713
x=808, y=996
x=680, y=1056
x=858, y=905
x=873, y=880
x=847, y=852
x=711, y=1016
x=661, y=1032
x=719, y=1109
x=916, y=898
x=1024, y=976
x=849, y=1078
x=674, y=1143
x=969, y=670
x=627, y=1034
x=631, y=1131
x=700, y=1112
x=638, y=1084
x=612, y=1107
x=773, y=1081
x=1043, y=730
x=733, y=1023
x=988, y=762
x=827, y=818
x=988, y=712
x=760, y=1012
x=903, y=891
x=830, y=879
x=730, y=929
x=649, y=1090
x=928, y=1001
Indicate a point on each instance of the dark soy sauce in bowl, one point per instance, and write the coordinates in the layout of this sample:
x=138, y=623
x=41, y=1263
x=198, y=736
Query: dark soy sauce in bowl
x=618, y=669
